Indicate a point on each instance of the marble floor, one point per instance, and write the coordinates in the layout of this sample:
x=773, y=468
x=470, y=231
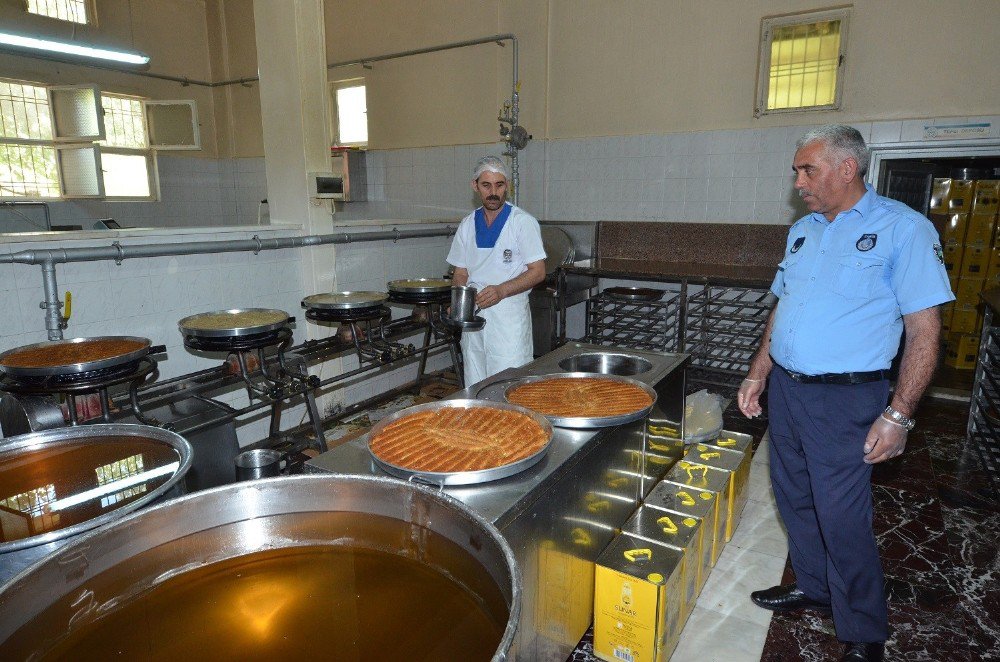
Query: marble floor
x=937, y=531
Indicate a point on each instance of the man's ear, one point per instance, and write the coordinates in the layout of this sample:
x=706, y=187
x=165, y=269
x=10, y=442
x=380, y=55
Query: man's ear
x=849, y=168
x=474, y=186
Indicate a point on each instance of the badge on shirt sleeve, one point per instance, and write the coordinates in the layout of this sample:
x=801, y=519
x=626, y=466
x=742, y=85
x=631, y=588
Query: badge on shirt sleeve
x=508, y=256
x=867, y=242
x=938, y=253
x=798, y=244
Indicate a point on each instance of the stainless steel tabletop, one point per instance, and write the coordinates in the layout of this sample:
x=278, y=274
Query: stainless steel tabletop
x=501, y=500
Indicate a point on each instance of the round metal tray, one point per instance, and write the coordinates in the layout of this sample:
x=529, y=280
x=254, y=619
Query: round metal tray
x=344, y=300
x=419, y=285
x=189, y=325
x=72, y=368
x=587, y=421
x=635, y=293
x=473, y=325
x=461, y=477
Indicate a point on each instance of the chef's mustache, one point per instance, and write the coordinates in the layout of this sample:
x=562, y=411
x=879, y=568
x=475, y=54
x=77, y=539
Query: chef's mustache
x=803, y=193
x=494, y=197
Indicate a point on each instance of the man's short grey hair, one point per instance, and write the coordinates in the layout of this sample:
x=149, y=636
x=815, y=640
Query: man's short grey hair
x=491, y=164
x=845, y=140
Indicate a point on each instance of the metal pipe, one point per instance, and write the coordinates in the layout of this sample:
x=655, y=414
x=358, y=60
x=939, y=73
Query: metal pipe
x=252, y=79
x=49, y=258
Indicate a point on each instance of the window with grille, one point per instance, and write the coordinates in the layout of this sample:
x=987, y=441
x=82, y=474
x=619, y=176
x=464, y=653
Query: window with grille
x=74, y=11
x=27, y=167
x=72, y=141
x=350, y=112
x=36, y=506
x=801, y=62
x=125, y=158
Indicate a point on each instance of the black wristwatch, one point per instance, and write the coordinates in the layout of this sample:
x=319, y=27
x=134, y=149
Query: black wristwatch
x=899, y=418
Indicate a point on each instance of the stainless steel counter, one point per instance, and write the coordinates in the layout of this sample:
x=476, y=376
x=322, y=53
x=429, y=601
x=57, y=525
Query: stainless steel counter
x=559, y=514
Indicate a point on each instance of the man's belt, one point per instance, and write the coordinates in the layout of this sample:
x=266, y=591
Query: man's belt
x=838, y=377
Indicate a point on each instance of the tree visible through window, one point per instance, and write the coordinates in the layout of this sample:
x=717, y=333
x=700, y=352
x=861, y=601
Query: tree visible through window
x=27, y=166
x=801, y=62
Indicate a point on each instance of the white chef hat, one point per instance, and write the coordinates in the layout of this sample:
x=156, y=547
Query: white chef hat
x=491, y=164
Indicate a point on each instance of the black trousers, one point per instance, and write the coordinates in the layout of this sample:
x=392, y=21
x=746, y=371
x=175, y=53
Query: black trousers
x=823, y=490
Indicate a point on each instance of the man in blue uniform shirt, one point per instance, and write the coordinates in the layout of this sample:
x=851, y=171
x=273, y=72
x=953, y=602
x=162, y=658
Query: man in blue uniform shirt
x=858, y=271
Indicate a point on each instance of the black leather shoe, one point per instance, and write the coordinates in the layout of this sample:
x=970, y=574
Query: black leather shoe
x=788, y=598
x=862, y=652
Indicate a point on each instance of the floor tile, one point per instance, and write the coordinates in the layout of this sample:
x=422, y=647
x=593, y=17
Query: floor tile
x=711, y=637
x=737, y=573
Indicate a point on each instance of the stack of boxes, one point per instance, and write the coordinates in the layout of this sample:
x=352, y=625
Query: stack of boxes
x=964, y=211
x=648, y=579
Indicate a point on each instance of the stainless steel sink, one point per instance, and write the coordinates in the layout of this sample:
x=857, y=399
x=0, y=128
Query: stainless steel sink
x=607, y=363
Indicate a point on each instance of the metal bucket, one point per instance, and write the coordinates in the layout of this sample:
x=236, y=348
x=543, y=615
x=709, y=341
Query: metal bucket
x=112, y=566
x=258, y=463
x=463, y=303
x=109, y=495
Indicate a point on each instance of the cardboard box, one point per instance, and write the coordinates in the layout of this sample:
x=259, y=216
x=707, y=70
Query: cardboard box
x=953, y=254
x=986, y=198
x=981, y=228
x=962, y=350
x=680, y=532
x=710, y=478
x=964, y=319
x=993, y=270
x=939, y=194
x=975, y=260
x=960, y=195
x=951, y=227
x=946, y=312
x=968, y=291
x=638, y=601
x=697, y=503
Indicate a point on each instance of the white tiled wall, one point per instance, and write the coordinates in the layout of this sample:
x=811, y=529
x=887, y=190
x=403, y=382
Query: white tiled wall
x=193, y=193
x=731, y=176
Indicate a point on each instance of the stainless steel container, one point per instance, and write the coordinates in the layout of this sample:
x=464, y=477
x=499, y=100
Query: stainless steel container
x=116, y=563
x=116, y=483
x=258, y=463
x=463, y=303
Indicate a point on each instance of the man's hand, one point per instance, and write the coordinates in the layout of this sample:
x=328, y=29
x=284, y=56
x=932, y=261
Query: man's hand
x=748, y=398
x=885, y=441
x=490, y=295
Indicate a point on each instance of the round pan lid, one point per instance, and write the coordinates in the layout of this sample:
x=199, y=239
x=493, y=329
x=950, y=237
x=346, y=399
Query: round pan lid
x=73, y=355
x=344, y=300
x=234, y=322
x=420, y=285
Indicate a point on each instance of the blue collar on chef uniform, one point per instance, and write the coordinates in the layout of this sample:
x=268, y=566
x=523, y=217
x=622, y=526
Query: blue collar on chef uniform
x=486, y=236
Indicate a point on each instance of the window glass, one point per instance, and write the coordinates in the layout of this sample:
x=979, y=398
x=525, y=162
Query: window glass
x=24, y=111
x=125, y=175
x=123, y=122
x=352, y=115
x=804, y=61
x=28, y=171
x=74, y=11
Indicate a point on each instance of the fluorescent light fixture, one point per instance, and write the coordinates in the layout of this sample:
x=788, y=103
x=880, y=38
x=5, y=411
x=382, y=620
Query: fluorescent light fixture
x=51, y=48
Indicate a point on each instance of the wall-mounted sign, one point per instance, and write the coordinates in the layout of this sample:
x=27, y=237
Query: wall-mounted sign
x=958, y=131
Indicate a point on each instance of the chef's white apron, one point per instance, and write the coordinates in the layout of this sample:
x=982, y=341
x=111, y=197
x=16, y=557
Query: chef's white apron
x=505, y=341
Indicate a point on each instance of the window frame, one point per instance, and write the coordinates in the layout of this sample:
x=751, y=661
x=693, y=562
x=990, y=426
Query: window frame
x=334, y=86
x=151, y=177
x=89, y=8
x=767, y=27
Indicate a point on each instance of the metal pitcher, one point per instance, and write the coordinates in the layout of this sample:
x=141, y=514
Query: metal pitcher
x=463, y=303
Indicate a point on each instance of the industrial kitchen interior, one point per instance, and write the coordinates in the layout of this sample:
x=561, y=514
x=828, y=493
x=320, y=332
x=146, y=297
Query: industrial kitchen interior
x=348, y=330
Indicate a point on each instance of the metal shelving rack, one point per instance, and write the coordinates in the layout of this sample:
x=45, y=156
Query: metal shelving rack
x=984, y=409
x=620, y=322
x=724, y=325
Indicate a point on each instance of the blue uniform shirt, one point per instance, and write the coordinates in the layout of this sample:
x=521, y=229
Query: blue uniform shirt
x=844, y=286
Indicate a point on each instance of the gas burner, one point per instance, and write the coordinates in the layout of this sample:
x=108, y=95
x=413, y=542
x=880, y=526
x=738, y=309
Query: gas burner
x=244, y=343
x=420, y=298
x=81, y=382
x=370, y=313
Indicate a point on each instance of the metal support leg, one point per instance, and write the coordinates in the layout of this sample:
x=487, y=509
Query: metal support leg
x=422, y=367
x=316, y=421
x=456, y=360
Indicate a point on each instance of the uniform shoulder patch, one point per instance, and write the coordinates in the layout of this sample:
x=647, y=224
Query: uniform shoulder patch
x=798, y=244
x=938, y=253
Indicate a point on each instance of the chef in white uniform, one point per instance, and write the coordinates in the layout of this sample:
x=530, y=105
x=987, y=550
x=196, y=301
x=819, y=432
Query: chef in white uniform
x=498, y=250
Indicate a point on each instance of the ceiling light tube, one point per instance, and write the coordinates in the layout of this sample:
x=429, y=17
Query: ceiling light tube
x=47, y=47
